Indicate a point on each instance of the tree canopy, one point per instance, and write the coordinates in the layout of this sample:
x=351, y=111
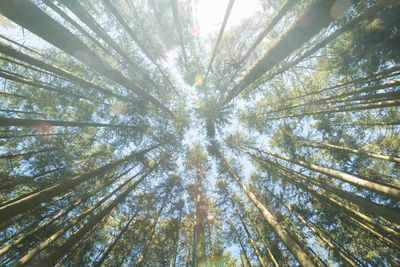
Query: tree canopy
x=132, y=136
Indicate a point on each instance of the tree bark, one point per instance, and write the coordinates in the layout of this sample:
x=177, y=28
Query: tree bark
x=119, y=236
x=9, y=211
x=383, y=190
x=149, y=238
x=289, y=242
x=253, y=244
x=35, y=20
x=310, y=22
x=54, y=256
x=390, y=214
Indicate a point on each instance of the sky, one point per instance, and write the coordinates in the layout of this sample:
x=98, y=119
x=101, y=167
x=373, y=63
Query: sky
x=210, y=13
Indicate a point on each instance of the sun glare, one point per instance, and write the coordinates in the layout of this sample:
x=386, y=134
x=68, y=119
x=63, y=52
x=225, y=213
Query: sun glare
x=210, y=13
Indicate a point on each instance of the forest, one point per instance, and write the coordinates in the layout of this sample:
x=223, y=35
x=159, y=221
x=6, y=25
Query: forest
x=133, y=135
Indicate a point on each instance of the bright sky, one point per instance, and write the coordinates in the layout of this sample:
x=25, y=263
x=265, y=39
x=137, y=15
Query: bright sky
x=210, y=13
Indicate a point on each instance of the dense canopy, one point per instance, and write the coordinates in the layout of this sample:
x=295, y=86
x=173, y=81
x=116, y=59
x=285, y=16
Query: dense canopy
x=131, y=135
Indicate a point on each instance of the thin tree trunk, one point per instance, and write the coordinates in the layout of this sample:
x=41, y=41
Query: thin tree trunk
x=282, y=12
x=266, y=247
x=44, y=86
x=253, y=244
x=60, y=214
x=66, y=75
x=9, y=211
x=241, y=244
x=315, y=231
x=221, y=32
x=384, y=190
x=289, y=242
x=175, y=13
x=60, y=251
x=110, y=248
x=323, y=145
x=367, y=14
x=25, y=180
x=125, y=25
x=149, y=238
x=34, y=123
x=26, y=153
x=31, y=254
x=79, y=11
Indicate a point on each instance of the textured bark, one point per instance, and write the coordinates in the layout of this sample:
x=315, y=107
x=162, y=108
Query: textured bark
x=384, y=190
x=289, y=242
x=9, y=211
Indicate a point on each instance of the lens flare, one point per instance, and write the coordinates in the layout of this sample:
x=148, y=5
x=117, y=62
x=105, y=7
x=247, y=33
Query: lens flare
x=194, y=31
x=119, y=107
x=44, y=130
x=198, y=80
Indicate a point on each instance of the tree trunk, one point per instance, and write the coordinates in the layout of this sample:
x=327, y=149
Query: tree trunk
x=316, y=231
x=27, y=153
x=60, y=214
x=79, y=11
x=323, y=145
x=35, y=20
x=66, y=75
x=46, y=87
x=390, y=214
x=367, y=14
x=9, y=211
x=125, y=25
x=60, y=251
x=149, y=238
x=289, y=242
x=310, y=22
x=253, y=244
x=241, y=244
x=175, y=13
x=384, y=233
x=110, y=248
x=384, y=190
